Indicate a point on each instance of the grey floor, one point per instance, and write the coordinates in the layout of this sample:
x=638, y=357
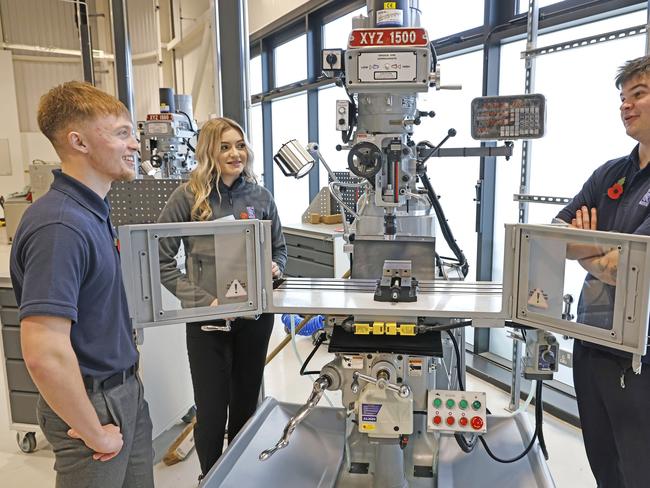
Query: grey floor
x=568, y=463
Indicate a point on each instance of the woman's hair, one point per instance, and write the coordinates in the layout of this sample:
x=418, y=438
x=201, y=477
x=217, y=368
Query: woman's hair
x=205, y=178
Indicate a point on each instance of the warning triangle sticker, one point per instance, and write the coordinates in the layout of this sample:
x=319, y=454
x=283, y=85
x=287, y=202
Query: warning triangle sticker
x=537, y=298
x=236, y=290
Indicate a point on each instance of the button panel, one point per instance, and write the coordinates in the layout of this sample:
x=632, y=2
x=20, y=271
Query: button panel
x=456, y=411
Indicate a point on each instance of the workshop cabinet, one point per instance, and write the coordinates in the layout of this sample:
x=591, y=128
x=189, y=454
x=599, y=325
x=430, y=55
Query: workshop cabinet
x=22, y=392
x=314, y=251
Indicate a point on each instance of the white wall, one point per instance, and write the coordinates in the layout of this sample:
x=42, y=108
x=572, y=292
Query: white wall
x=262, y=12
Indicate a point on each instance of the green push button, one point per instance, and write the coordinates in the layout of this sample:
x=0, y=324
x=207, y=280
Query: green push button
x=451, y=403
x=437, y=402
x=476, y=405
x=463, y=404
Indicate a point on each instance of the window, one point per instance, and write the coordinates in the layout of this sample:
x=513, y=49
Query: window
x=454, y=179
x=579, y=87
x=255, y=68
x=290, y=122
x=523, y=4
x=446, y=18
x=336, y=33
x=291, y=61
x=256, y=139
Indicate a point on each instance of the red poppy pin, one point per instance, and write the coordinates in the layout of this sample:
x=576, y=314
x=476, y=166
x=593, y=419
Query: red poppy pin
x=616, y=190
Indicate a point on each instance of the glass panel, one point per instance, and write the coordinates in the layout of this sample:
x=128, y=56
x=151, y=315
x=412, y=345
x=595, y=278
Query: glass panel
x=290, y=122
x=559, y=268
x=291, y=61
x=256, y=75
x=523, y=5
x=197, y=276
x=454, y=179
x=336, y=33
x=443, y=19
x=256, y=139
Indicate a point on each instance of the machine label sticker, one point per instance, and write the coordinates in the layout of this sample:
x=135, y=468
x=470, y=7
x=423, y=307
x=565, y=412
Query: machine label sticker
x=369, y=412
x=415, y=367
x=537, y=298
x=645, y=201
x=410, y=36
x=353, y=362
x=390, y=17
x=236, y=290
x=167, y=117
x=388, y=5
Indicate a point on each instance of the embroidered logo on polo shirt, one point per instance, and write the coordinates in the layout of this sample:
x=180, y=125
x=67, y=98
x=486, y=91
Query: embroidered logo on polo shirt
x=645, y=201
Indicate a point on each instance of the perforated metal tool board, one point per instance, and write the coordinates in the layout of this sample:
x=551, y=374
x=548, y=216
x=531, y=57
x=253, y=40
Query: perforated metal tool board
x=140, y=201
x=349, y=195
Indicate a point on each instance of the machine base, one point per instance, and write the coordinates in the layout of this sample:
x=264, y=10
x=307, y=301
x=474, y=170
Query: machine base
x=315, y=456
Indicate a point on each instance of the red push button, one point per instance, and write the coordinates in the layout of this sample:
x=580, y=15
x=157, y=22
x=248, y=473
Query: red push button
x=477, y=423
x=463, y=421
x=437, y=420
x=450, y=420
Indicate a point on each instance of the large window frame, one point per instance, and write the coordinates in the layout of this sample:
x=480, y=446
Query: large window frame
x=502, y=23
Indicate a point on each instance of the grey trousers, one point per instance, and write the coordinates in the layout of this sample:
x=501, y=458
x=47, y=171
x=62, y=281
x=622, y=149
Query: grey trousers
x=124, y=406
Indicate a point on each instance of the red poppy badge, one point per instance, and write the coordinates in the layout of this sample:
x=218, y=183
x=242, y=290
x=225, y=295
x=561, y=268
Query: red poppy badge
x=616, y=190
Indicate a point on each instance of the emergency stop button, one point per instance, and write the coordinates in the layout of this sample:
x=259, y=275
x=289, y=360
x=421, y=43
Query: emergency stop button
x=477, y=423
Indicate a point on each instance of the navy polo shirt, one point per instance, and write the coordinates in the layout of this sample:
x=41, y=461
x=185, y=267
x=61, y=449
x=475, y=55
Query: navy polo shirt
x=65, y=263
x=630, y=214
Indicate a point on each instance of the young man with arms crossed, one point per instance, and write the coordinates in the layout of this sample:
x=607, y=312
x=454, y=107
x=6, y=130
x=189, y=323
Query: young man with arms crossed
x=613, y=401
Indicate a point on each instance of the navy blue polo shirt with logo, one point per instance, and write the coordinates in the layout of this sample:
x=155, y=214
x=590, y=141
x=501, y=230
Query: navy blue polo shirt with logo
x=629, y=213
x=65, y=263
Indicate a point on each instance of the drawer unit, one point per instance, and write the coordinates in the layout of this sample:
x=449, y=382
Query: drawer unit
x=18, y=376
x=23, y=407
x=309, y=257
x=20, y=389
x=300, y=268
x=7, y=298
x=11, y=341
x=306, y=242
x=9, y=317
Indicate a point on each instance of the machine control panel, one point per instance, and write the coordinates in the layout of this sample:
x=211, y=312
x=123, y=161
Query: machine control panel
x=456, y=411
x=342, y=115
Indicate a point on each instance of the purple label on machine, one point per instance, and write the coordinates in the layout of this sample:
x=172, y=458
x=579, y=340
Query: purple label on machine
x=369, y=412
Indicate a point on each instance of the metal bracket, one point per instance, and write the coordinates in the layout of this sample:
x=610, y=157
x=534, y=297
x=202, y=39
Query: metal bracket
x=520, y=197
x=585, y=41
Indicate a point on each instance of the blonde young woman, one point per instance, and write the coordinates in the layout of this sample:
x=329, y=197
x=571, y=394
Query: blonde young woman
x=226, y=367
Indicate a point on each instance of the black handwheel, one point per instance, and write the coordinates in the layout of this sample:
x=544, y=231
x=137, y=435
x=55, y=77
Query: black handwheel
x=364, y=160
x=28, y=442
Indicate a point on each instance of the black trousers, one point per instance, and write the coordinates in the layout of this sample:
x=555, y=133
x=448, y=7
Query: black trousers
x=227, y=369
x=615, y=420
